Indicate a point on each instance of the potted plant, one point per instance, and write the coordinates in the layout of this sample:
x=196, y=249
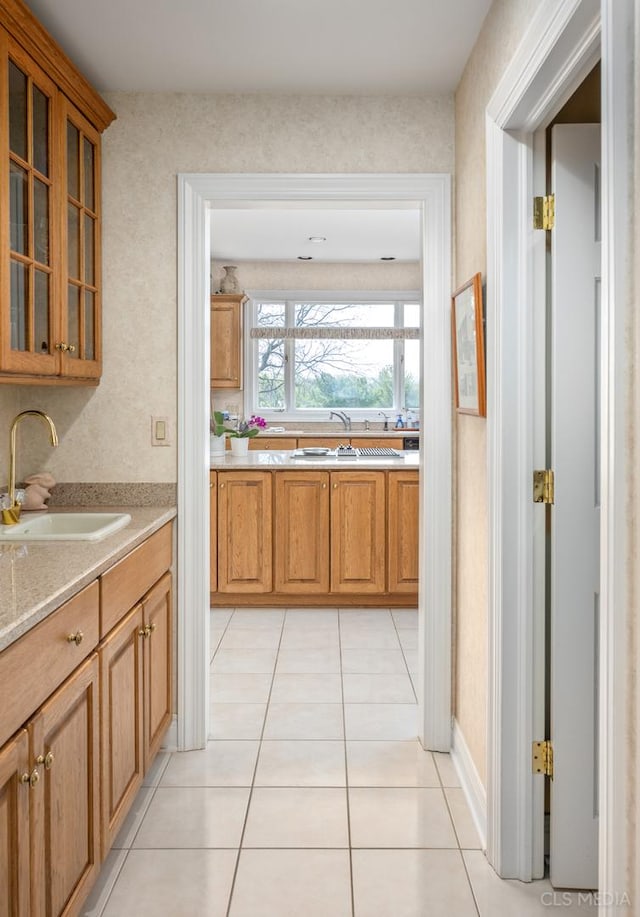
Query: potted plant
x=217, y=434
x=245, y=430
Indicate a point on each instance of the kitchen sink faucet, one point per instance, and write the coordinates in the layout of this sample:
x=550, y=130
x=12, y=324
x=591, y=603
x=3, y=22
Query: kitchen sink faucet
x=11, y=515
x=346, y=420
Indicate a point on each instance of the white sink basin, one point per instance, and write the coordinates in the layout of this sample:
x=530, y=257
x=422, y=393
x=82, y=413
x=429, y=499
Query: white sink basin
x=64, y=526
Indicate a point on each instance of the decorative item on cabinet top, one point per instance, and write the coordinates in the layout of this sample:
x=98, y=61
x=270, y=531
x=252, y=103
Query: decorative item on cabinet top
x=230, y=282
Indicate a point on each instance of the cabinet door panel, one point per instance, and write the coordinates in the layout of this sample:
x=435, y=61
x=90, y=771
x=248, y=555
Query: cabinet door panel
x=157, y=612
x=403, y=509
x=66, y=800
x=14, y=828
x=358, y=531
x=213, y=531
x=301, y=546
x=121, y=722
x=244, y=532
x=226, y=331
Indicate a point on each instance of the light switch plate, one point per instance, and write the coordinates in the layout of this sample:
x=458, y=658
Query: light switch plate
x=160, y=433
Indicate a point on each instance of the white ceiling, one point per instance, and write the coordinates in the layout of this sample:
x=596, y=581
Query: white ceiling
x=276, y=46
x=352, y=232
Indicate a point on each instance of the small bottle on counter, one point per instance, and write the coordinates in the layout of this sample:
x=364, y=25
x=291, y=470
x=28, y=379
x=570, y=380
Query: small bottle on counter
x=399, y=422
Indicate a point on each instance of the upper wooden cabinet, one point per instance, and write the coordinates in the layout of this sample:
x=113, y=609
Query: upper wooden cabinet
x=50, y=309
x=226, y=340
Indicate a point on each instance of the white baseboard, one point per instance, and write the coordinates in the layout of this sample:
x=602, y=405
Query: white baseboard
x=472, y=786
x=170, y=741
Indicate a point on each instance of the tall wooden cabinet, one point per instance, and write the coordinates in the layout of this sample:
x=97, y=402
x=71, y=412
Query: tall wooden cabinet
x=226, y=340
x=50, y=310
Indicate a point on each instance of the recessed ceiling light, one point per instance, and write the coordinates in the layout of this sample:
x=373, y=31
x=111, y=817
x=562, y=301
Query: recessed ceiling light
x=388, y=258
x=317, y=238
x=305, y=258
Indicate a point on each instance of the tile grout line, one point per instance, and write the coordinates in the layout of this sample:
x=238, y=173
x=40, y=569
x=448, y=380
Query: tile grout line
x=404, y=658
x=346, y=770
x=222, y=635
x=255, y=769
x=455, y=831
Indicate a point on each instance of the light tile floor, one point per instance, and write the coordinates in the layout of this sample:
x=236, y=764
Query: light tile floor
x=314, y=796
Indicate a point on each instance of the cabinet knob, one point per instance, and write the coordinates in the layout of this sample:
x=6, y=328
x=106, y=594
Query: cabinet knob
x=66, y=347
x=76, y=638
x=151, y=627
x=48, y=760
x=31, y=778
x=335, y=486
x=324, y=486
x=145, y=631
x=221, y=486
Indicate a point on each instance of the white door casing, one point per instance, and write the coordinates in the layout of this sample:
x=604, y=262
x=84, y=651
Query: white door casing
x=196, y=193
x=575, y=516
x=562, y=44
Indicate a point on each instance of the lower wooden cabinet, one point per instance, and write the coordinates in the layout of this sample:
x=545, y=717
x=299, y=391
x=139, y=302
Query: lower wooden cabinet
x=156, y=619
x=358, y=531
x=213, y=531
x=65, y=799
x=15, y=899
x=318, y=535
x=403, y=508
x=301, y=532
x=244, y=532
x=70, y=768
x=121, y=684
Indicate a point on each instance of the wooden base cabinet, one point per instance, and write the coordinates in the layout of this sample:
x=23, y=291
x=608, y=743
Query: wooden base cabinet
x=73, y=756
x=244, y=532
x=121, y=682
x=403, y=510
x=358, y=531
x=301, y=532
x=15, y=900
x=65, y=800
x=157, y=630
x=213, y=531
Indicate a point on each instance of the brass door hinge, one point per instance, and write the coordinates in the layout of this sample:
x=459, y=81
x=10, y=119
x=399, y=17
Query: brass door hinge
x=542, y=758
x=544, y=212
x=544, y=490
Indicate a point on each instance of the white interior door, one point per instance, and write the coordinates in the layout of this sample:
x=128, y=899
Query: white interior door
x=575, y=576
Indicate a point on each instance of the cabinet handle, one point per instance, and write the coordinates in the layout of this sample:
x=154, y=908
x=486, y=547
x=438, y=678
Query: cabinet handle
x=145, y=631
x=48, y=761
x=324, y=486
x=66, y=347
x=335, y=486
x=151, y=627
x=76, y=638
x=31, y=778
x=221, y=486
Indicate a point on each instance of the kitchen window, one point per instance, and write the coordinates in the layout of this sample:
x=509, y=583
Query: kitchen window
x=310, y=353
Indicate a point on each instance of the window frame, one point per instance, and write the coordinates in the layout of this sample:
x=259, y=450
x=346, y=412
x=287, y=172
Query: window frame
x=307, y=415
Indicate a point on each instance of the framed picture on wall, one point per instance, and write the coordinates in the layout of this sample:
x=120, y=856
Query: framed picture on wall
x=468, y=348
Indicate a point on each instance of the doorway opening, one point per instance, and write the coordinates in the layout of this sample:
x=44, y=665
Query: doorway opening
x=196, y=194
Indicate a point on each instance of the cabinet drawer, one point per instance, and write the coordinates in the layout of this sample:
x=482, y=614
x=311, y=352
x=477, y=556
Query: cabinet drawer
x=277, y=443
x=128, y=580
x=36, y=664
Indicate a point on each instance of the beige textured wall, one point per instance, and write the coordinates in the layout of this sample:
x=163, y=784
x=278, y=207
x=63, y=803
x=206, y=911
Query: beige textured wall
x=502, y=31
x=106, y=431
x=9, y=407
x=292, y=275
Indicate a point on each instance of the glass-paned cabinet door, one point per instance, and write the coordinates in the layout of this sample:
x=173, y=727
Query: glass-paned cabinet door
x=81, y=326
x=28, y=241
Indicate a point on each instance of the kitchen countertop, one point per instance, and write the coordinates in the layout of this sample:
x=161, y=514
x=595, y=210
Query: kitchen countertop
x=262, y=460
x=37, y=577
x=343, y=434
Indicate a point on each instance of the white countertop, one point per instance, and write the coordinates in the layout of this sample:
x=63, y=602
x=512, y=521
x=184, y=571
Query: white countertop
x=37, y=577
x=263, y=460
x=392, y=433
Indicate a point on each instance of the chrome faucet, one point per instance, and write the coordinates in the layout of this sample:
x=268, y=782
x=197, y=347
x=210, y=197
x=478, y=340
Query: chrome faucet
x=11, y=515
x=386, y=419
x=346, y=420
